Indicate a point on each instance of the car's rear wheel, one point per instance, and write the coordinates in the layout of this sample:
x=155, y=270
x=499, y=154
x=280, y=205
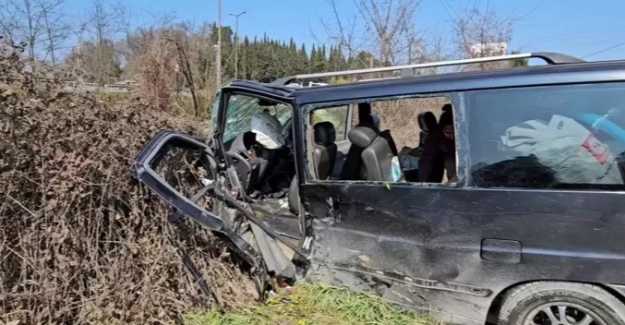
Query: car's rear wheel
x=561, y=303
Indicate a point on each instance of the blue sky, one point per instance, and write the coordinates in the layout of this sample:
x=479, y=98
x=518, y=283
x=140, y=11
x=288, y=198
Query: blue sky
x=594, y=30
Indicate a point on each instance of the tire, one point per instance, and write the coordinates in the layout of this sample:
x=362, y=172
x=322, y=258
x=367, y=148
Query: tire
x=542, y=302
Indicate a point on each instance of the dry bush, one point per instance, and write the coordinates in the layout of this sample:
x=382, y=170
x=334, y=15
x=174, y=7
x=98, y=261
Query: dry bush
x=156, y=69
x=80, y=241
x=401, y=117
x=167, y=64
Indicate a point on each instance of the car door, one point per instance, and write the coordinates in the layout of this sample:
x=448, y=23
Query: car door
x=406, y=241
x=221, y=183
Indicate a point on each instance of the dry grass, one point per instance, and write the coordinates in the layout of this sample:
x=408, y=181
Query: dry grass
x=309, y=304
x=80, y=241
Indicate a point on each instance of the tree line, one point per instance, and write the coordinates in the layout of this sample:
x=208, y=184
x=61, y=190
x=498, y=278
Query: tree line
x=173, y=63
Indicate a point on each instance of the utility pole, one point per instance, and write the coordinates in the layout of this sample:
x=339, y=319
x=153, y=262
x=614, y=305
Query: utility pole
x=218, y=56
x=236, y=42
x=410, y=45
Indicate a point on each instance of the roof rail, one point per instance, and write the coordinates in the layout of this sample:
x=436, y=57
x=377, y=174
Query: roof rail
x=548, y=57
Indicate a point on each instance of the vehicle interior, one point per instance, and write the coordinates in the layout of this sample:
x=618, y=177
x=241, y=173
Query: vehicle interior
x=359, y=141
x=259, y=144
x=356, y=141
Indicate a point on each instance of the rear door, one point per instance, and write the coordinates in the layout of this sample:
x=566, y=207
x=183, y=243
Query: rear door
x=396, y=238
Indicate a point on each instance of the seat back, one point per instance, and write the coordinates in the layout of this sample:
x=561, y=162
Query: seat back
x=376, y=154
x=386, y=134
x=427, y=124
x=431, y=163
x=324, y=149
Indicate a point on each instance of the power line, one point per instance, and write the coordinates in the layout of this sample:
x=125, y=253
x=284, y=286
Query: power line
x=607, y=49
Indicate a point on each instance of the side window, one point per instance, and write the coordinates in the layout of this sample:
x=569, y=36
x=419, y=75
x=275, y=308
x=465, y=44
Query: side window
x=569, y=137
x=407, y=139
x=337, y=116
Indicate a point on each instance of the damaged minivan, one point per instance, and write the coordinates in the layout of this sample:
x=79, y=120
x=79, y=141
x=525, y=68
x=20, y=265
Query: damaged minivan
x=482, y=196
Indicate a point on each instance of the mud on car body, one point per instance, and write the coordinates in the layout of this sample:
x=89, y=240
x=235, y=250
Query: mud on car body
x=482, y=197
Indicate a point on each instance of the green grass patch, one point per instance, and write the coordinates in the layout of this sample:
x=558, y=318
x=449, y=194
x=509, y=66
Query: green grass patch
x=314, y=304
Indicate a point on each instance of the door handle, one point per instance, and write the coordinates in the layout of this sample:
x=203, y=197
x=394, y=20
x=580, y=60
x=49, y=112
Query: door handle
x=501, y=250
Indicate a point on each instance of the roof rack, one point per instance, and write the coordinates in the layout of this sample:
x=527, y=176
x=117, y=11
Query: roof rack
x=549, y=57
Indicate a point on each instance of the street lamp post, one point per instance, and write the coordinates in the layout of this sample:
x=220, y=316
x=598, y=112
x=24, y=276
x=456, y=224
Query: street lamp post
x=218, y=54
x=236, y=42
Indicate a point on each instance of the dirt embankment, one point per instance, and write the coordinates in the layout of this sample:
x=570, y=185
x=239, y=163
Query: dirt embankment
x=80, y=241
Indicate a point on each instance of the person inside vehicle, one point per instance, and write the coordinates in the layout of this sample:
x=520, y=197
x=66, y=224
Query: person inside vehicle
x=448, y=144
x=438, y=151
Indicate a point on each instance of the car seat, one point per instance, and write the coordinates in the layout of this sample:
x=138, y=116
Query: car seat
x=376, y=155
x=324, y=149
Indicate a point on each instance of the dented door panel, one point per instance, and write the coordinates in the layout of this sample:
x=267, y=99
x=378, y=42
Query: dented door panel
x=424, y=245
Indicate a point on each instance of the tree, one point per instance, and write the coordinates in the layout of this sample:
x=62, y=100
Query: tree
x=97, y=63
x=342, y=32
x=180, y=39
x=55, y=27
x=153, y=63
x=105, y=22
x=481, y=32
x=392, y=24
x=40, y=24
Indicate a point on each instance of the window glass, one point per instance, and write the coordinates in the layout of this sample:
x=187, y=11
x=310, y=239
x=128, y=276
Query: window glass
x=241, y=108
x=335, y=115
x=548, y=137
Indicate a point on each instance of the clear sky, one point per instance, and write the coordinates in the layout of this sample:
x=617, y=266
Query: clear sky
x=590, y=29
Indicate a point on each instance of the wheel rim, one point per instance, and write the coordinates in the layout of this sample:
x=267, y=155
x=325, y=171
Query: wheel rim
x=563, y=313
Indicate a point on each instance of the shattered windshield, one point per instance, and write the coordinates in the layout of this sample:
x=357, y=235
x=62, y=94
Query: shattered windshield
x=242, y=107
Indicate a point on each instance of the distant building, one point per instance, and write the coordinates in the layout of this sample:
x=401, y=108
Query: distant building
x=488, y=49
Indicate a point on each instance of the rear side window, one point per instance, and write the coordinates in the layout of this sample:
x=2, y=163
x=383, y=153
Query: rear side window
x=570, y=137
x=337, y=116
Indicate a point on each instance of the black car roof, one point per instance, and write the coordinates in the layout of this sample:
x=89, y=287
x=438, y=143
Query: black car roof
x=608, y=71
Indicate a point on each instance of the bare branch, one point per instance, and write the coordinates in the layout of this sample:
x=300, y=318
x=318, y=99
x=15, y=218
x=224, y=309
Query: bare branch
x=37, y=23
x=392, y=23
x=480, y=32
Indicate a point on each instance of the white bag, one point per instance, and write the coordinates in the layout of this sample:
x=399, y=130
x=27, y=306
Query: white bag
x=567, y=147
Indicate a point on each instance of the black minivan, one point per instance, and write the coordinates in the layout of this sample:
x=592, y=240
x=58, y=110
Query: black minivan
x=491, y=194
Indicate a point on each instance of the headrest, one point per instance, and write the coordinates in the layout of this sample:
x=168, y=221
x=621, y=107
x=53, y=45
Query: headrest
x=427, y=122
x=362, y=136
x=365, y=117
x=446, y=118
x=325, y=134
x=364, y=110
